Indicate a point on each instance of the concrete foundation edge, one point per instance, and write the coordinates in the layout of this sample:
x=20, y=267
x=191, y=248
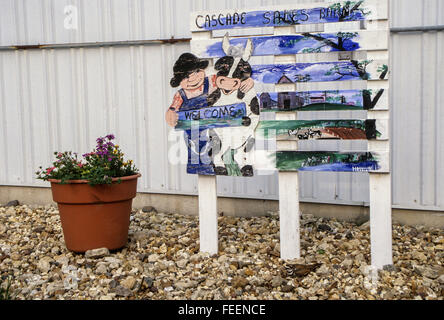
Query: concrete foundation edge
x=188, y=205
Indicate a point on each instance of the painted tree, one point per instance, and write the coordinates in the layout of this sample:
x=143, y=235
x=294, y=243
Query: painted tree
x=370, y=103
x=302, y=78
x=346, y=12
x=384, y=70
x=353, y=68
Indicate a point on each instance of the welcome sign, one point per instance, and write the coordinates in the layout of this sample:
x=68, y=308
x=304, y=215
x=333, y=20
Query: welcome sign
x=213, y=117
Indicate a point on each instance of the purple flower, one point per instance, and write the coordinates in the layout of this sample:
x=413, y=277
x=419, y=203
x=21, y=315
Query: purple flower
x=110, y=137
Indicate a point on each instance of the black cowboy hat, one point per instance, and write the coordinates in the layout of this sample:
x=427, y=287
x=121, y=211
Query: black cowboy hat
x=184, y=66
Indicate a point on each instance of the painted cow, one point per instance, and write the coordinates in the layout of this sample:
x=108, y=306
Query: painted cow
x=233, y=147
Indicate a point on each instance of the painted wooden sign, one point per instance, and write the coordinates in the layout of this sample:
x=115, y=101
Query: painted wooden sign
x=321, y=71
x=323, y=129
x=294, y=44
x=218, y=113
x=310, y=13
x=332, y=161
x=328, y=100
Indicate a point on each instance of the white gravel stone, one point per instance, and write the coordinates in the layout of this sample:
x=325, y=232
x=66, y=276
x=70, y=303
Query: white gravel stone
x=162, y=261
x=96, y=253
x=101, y=268
x=153, y=258
x=182, y=263
x=44, y=264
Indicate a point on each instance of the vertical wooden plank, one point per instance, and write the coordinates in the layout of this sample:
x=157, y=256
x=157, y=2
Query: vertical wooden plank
x=289, y=212
x=380, y=192
x=380, y=220
x=289, y=220
x=207, y=194
x=208, y=214
x=289, y=215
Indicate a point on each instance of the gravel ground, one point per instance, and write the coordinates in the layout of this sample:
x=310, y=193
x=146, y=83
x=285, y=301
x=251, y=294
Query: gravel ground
x=162, y=261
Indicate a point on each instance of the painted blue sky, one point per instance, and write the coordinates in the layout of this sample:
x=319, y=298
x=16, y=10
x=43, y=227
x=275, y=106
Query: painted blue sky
x=277, y=45
x=306, y=72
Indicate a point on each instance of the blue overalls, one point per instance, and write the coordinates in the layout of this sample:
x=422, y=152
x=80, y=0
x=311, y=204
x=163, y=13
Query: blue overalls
x=197, y=163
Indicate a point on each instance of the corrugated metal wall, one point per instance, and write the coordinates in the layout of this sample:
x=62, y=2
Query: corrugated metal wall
x=61, y=99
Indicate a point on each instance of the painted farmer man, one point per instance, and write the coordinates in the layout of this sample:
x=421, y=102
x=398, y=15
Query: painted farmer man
x=195, y=87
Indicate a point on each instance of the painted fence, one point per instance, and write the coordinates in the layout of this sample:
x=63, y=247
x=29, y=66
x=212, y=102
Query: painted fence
x=225, y=100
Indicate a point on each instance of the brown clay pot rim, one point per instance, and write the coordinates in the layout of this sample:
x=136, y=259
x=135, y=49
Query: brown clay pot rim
x=135, y=176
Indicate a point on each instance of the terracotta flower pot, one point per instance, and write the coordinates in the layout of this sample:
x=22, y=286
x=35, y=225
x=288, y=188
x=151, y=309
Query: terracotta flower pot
x=95, y=216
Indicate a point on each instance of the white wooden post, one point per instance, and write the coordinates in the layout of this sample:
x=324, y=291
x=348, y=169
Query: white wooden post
x=207, y=194
x=380, y=220
x=289, y=215
x=289, y=221
x=208, y=214
x=380, y=183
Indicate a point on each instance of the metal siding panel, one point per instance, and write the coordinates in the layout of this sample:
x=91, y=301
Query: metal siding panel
x=406, y=13
x=67, y=120
x=63, y=99
x=38, y=108
x=428, y=130
x=430, y=16
x=7, y=26
x=56, y=14
x=94, y=86
x=158, y=166
x=89, y=24
x=152, y=19
x=417, y=120
x=119, y=19
x=32, y=20
x=406, y=105
x=3, y=125
x=13, y=123
x=125, y=109
x=411, y=13
x=439, y=122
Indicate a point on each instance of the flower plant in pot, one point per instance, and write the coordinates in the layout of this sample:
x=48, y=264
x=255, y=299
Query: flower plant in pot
x=94, y=195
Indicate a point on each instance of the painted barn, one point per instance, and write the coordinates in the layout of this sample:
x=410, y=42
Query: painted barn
x=265, y=100
x=288, y=100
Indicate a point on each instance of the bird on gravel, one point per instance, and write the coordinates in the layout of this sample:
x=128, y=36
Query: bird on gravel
x=300, y=270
